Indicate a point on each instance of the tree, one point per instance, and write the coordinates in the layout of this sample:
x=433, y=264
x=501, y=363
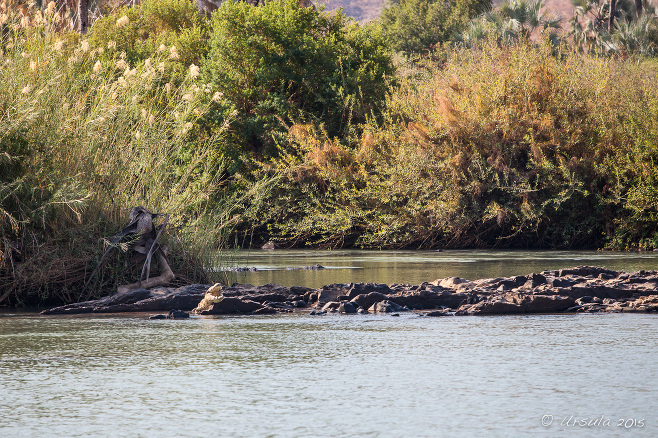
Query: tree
x=416, y=26
x=525, y=17
x=512, y=21
x=611, y=18
x=633, y=30
x=83, y=16
x=283, y=63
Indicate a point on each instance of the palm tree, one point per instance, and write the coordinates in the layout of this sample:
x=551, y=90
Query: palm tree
x=633, y=29
x=588, y=24
x=638, y=36
x=514, y=20
x=526, y=16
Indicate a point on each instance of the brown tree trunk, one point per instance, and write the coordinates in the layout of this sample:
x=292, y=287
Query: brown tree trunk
x=166, y=276
x=83, y=16
x=638, y=8
x=611, y=21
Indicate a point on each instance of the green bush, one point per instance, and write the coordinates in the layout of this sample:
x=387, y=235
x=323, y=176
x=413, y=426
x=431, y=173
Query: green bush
x=497, y=147
x=417, y=26
x=281, y=62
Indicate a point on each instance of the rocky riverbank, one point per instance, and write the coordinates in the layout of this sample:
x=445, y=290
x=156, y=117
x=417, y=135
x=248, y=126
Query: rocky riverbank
x=580, y=289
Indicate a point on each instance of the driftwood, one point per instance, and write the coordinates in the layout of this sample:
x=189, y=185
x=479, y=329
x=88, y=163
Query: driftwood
x=144, y=245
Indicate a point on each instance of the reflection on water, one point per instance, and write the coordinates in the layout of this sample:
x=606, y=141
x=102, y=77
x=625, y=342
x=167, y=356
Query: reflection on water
x=348, y=376
x=346, y=266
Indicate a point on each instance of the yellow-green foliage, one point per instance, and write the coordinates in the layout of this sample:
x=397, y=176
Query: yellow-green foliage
x=85, y=134
x=497, y=147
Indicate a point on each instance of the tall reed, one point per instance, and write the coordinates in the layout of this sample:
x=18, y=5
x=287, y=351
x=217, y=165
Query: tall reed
x=84, y=135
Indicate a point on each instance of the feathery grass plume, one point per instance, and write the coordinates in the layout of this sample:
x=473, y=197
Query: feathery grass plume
x=122, y=21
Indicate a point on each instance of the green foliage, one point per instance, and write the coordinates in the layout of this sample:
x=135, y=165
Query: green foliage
x=152, y=26
x=417, y=26
x=282, y=62
x=499, y=146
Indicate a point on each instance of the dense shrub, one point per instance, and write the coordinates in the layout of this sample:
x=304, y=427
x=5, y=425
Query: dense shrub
x=509, y=147
x=281, y=62
x=417, y=26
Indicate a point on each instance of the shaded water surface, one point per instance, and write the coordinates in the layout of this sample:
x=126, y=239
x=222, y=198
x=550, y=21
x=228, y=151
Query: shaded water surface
x=414, y=267
x=336, y=376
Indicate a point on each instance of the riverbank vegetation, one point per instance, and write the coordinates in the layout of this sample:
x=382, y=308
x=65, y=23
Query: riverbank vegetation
x=286, y=123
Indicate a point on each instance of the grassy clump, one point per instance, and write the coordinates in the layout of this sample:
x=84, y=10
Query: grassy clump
x=172, y=26
x=85, y=135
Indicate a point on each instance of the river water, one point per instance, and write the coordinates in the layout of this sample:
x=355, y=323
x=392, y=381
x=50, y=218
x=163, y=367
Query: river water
x=414, y=267
x=296, y=375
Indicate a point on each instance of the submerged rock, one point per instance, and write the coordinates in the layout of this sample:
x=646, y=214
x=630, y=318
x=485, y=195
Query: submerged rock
x=346, y=307
x=177, y=314
x=316, y=267
x=386, y=306
x=331, y=305
x=173, y=314
x=438, y=313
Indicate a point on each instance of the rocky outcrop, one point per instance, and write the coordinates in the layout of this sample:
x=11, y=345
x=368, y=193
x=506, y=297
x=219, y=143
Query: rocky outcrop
x=139, y=300
x=519, y=302
x=580, y=289
x=386, y=306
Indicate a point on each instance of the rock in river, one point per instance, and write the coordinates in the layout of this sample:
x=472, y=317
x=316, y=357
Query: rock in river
x=579, y=289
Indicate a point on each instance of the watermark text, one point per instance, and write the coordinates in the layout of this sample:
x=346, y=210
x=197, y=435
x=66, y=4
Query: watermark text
x=577, y=421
